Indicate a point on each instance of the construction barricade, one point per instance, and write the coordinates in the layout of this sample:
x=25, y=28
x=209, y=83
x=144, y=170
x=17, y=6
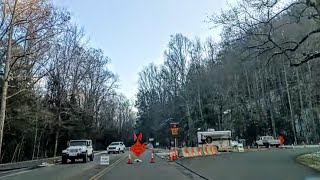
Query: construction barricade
x=204, y=150
x=186, y=152
x=209, y=149
x=199, y=151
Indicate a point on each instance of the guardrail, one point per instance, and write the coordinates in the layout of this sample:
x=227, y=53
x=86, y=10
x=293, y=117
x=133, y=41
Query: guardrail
x=30, y=163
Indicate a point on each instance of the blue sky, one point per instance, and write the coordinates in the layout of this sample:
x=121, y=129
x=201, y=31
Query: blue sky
x=134, y=33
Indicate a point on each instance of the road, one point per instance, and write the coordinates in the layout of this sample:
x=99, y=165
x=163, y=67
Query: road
x=160, y=170
x=76, y=171
x=263, y=165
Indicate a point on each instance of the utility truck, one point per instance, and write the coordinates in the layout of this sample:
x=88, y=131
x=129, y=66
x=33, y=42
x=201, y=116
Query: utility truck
x=221, y=139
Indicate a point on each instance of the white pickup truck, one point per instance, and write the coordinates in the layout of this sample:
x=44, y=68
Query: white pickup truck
x=267, y=141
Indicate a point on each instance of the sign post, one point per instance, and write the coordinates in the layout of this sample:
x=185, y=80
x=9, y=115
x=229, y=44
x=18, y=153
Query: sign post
x=174, y=132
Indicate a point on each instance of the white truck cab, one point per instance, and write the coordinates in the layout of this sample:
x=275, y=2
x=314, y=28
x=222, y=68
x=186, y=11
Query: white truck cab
x=78, y=149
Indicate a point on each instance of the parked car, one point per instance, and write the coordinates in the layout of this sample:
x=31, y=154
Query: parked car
x=116, y=147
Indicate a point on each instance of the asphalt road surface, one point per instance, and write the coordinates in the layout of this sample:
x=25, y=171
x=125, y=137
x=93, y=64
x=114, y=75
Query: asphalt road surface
x=76, y=171
x=274, y=164
x=160, y=170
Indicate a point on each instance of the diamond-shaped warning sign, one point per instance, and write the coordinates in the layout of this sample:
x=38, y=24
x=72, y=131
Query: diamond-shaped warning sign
x=137, y=148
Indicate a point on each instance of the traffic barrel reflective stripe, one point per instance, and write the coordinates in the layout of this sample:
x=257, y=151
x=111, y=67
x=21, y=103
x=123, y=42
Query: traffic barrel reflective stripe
x=199, y=151
x=213, y=149
x=205, y=150
x=185, y=152
x=193, y=152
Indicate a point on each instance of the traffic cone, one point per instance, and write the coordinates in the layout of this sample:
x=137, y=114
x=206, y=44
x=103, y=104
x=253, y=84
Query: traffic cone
x=171, y=156
x=129, y=159
x=152, y=158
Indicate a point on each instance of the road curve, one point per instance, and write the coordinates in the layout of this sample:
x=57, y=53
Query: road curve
x=275, y=164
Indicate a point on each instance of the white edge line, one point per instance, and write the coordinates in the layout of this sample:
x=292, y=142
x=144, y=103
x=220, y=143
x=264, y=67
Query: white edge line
x=15, y=174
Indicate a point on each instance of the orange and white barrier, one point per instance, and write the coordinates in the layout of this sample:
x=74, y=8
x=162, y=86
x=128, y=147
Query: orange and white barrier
x=193, y=150
x=204, y=150
x=186, y=152
x=199, y=151
x=209, y=149
x=213, y=149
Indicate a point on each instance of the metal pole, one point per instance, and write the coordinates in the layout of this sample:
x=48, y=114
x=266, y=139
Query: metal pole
x=175, y=144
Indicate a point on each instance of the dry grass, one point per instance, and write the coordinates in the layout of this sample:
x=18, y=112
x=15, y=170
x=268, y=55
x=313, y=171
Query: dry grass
x=312, y=160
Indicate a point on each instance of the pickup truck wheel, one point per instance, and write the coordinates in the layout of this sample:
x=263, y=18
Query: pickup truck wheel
x=64, y=160
x=72, y=160
x=85, y=158
x=208, y=140
x=92, y=157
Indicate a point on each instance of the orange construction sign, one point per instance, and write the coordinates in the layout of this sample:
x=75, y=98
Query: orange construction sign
x=137, y=148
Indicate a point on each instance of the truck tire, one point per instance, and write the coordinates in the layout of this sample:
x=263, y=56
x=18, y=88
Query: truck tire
x=72, y=160
x=217, y=148
x=277, y=145
x=91, y=157
x=208, y=140
x=85, y=158
x=64, y=160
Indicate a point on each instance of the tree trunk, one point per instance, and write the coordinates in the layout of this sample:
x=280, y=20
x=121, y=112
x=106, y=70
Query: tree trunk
x=35, y=138
x=57, y=134
x=6, y=76
x=190, y=124
x=302, y=114
x=20, y=149
x=15, y=152
x=273, y=124
x=220, y=118
x=290, y=105
x=310, y=104
x=39, y=144
x=200, y=107
x=256, y=97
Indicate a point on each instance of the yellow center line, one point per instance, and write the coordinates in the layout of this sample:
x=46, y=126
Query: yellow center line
x=101, y=173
